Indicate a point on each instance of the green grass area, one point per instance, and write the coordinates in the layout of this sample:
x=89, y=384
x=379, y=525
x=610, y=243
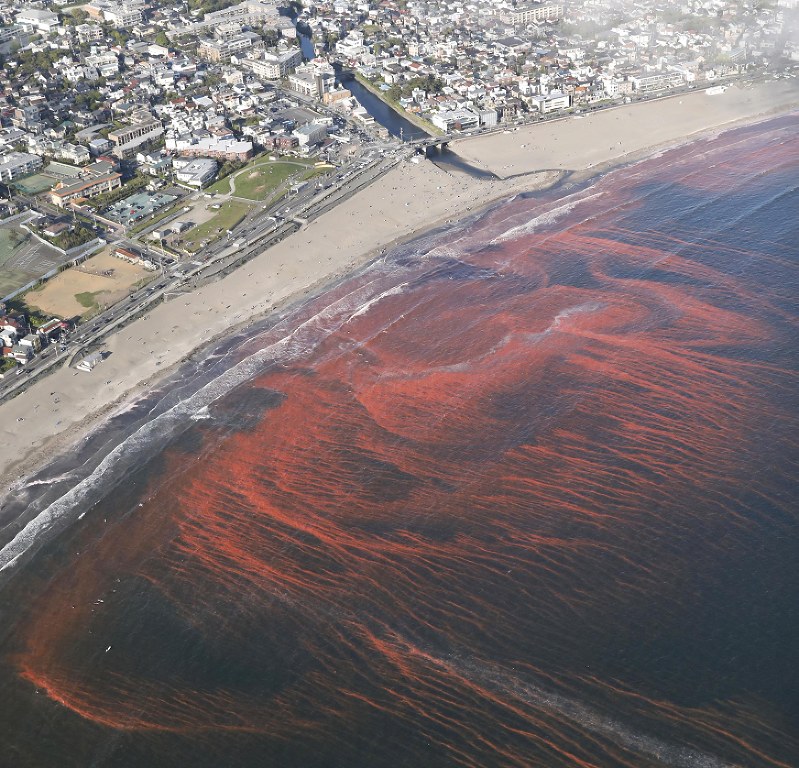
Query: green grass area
x=6, y=364
x=312, y=173
x=258, y=181
x=86, y=299
x=303, y=160
x=228, y=216
x=11, y=279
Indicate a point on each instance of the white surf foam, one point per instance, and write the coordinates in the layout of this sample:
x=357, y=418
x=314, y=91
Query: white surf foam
x=395, y=291
x=545, y=219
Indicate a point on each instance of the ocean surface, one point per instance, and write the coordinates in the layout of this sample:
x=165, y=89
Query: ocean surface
x=523, y=492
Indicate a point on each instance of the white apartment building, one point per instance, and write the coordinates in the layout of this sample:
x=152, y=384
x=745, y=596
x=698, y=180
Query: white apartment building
x=657, y=81
x=17, y=164
x=352, y=45
x=144, y=127
x=122, y=16
x=249, y=13
x=221, y=50
x=526, y=14
x=551, y=102
x=455, y=119
x=88, y=33
x=106, y=64
x=36, y=20
x=273, y=66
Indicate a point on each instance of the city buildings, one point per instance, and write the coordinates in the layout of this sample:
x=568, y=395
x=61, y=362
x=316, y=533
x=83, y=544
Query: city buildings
x=220, y=149
x=532, y=12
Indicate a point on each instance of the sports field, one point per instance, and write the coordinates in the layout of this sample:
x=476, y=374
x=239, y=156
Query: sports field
x=258, y=182
x=97, y=282
x=33, y=185
x=260, y=179
x=23, y=259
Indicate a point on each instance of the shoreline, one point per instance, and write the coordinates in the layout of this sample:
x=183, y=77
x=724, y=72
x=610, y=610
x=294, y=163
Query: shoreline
x=405, y=203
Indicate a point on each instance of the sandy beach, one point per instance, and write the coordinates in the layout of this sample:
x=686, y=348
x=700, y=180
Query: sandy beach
x=59, y=409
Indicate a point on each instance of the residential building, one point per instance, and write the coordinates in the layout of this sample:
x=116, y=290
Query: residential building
x=88, y=33
x=221, y=149
x=551, y=102
x=313, y=79
x=657, y=81
x=99, y=146
x=74, y=153
x=37, y=20
x=11, y=37
x=144, y=127
x=221, y=50
x=122, y=16
x=274, y=66
x=488, y=117
x=248, y=13
x=303, y=83
x=352, y=46
x=455, y=119
x=87, y=187
x=531, y=12
x=15, y=165
x=32, y=340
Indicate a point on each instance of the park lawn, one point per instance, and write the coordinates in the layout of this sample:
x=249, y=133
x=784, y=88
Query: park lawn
x=306, y=175
x=259, y=181
x=87, y=299
x=228, y=216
